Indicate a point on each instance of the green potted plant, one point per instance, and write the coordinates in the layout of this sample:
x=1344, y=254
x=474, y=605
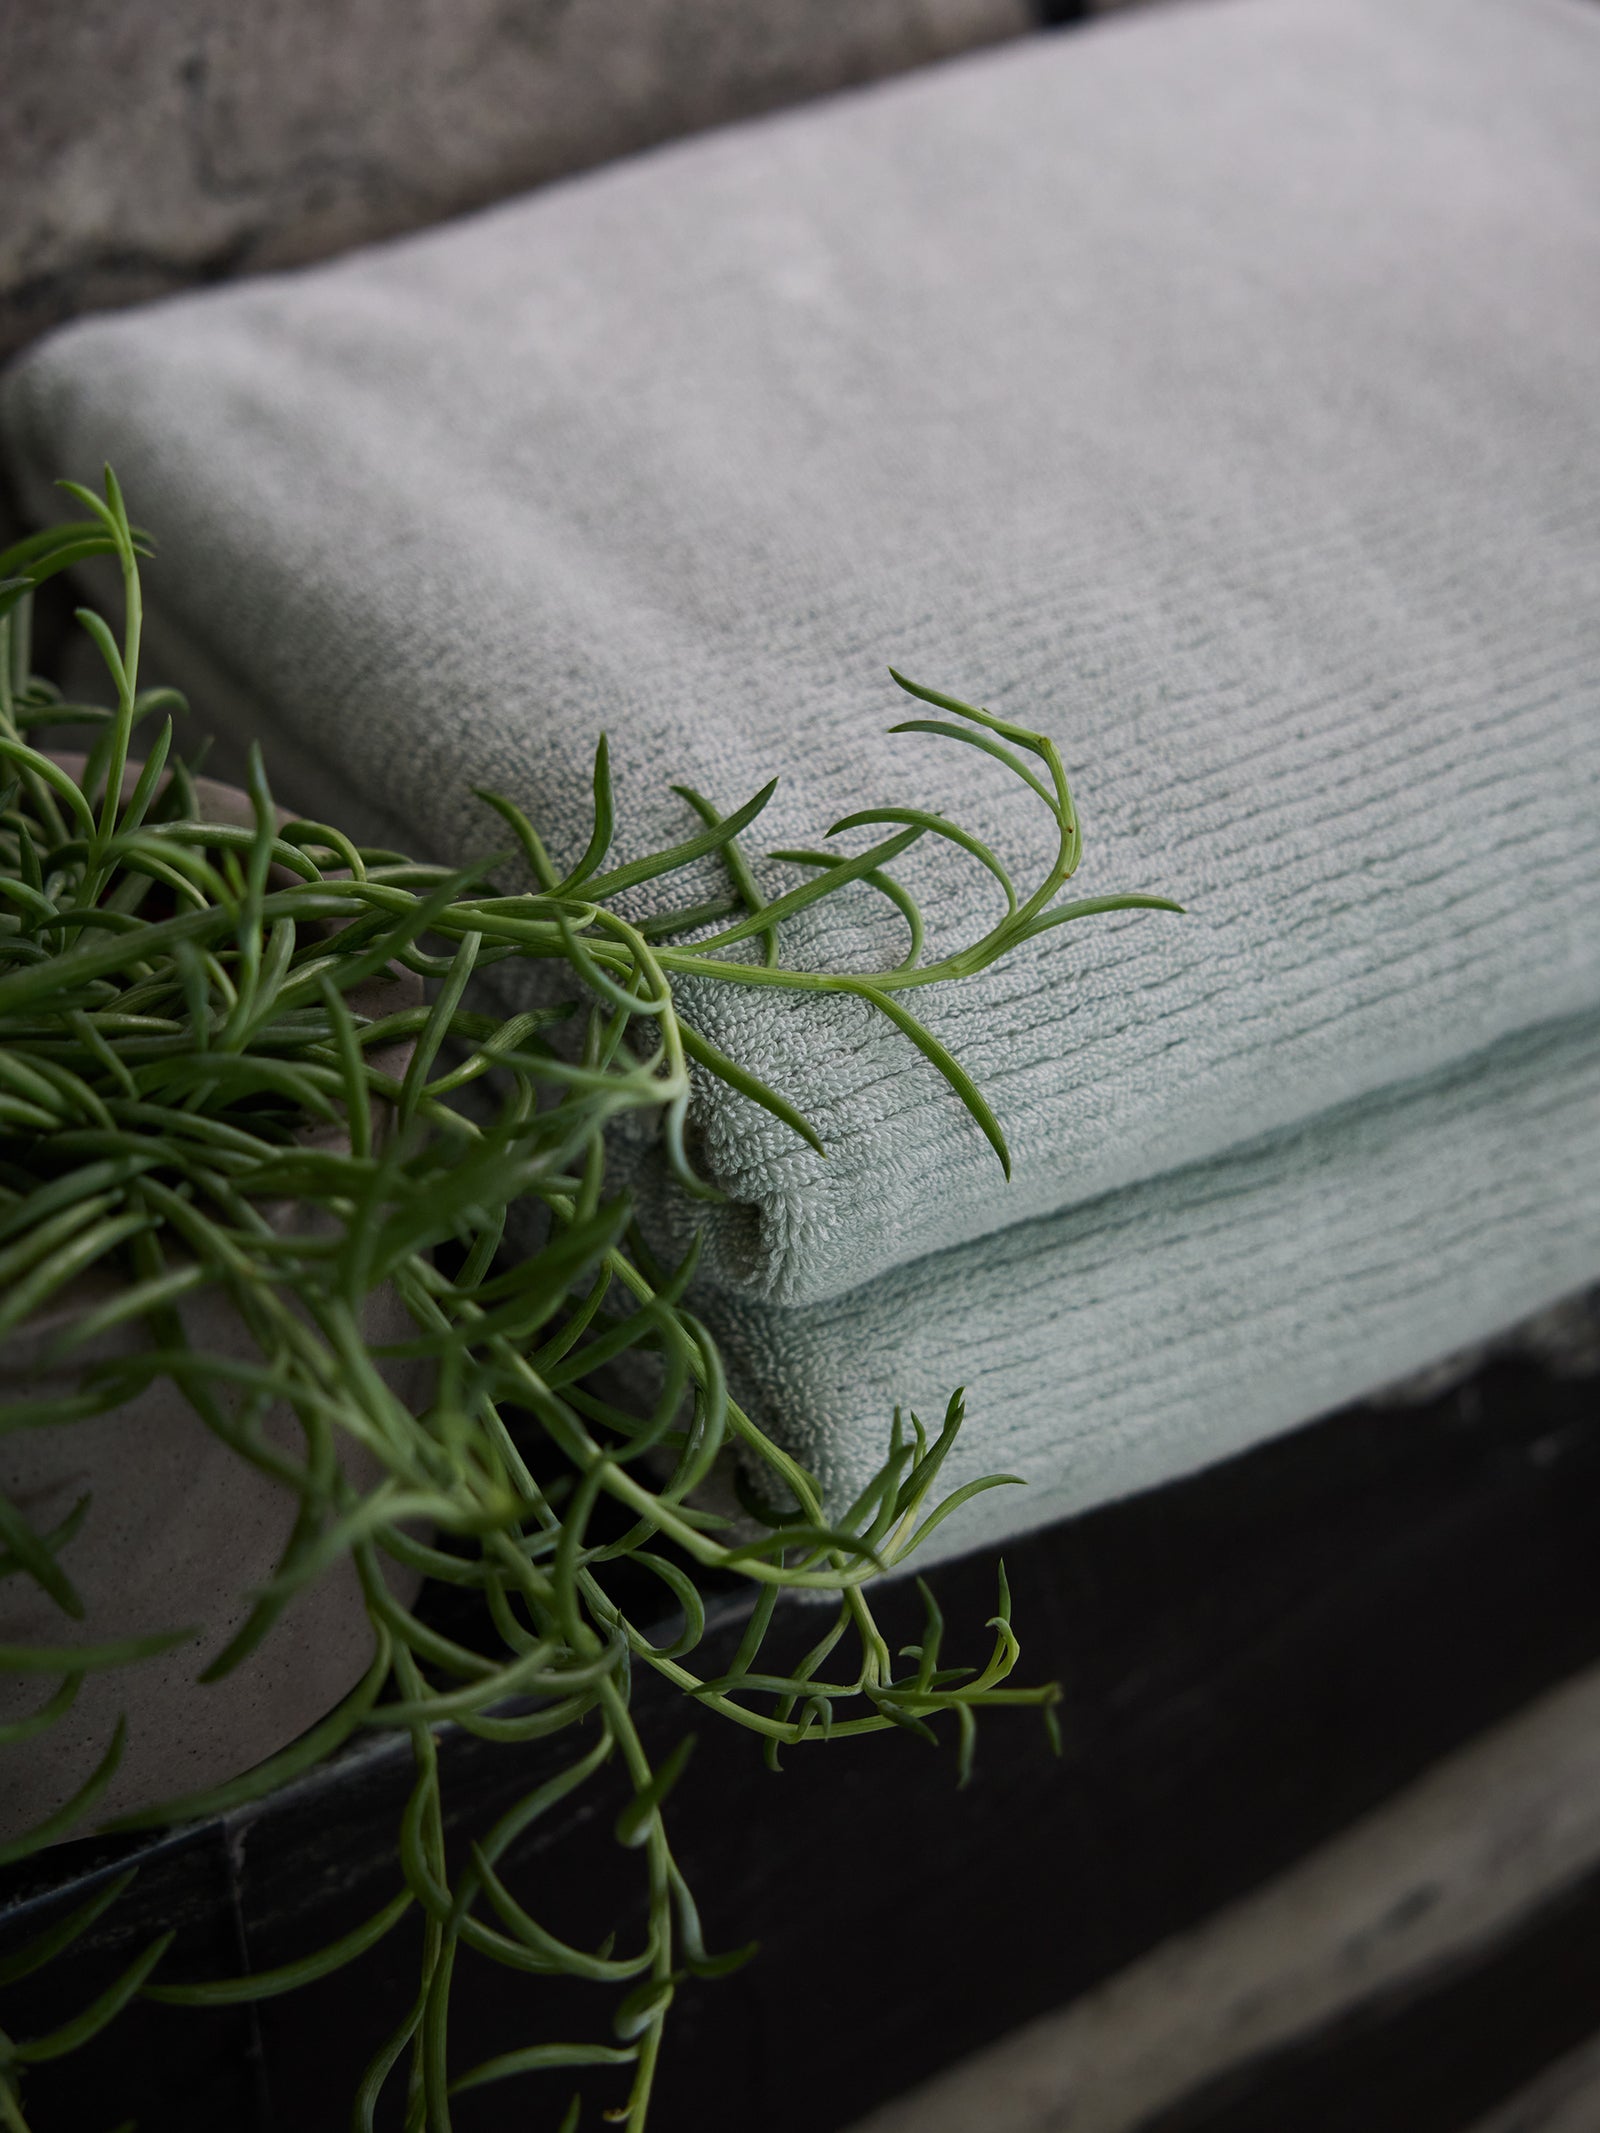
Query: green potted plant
x=184, y=1528
x=239, y=1183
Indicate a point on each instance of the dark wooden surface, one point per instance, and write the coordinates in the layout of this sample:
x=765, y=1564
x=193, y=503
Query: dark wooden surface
x=1252, y=1659
x=1429, y=2056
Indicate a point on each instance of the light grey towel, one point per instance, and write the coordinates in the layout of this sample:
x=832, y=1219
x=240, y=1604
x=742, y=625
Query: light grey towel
x=1125, y=1343
x=1214, y=389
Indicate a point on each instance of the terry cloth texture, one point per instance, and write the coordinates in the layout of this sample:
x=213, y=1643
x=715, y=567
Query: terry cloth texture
x=1215, y=390
x=1122, y=1344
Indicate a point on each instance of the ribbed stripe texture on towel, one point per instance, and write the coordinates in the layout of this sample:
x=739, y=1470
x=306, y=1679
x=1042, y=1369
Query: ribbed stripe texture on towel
x=1215, y=388
x=1128, y=1342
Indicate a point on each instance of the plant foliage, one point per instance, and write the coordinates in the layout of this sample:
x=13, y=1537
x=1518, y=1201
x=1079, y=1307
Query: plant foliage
x=175, y=1005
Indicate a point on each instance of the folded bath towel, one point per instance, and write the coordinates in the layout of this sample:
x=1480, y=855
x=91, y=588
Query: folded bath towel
x=1119, y=1345
x=1215, y=390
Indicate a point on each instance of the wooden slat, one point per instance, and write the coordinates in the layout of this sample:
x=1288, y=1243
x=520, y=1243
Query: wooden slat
x=1418, y=1896
x=1565, y=2099
x=1254, y=1660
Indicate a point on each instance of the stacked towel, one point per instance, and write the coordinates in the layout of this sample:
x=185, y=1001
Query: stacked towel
x=1124, y=1343
x=1212, y=390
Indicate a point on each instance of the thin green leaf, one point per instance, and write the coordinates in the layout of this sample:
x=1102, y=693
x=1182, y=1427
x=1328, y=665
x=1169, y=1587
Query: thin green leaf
x=749, y=1085
x=539, y=2058
x=36, y=1556
x=288, y=1977
x=604, y=823
x=103, y=2009
x=950, y=1067
x=76, y=1810
x=638, y=1817
x=56, y=1939
x=604, y=886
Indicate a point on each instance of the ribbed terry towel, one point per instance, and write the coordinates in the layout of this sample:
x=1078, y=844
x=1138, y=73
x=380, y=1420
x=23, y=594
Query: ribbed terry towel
x=1119, y=1345
x=1214, y=390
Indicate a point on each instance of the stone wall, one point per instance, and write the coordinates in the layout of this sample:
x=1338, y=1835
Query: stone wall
x=151, y=144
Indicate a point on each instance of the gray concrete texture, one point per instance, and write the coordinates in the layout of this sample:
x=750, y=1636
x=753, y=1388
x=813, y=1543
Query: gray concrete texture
x=151, y=144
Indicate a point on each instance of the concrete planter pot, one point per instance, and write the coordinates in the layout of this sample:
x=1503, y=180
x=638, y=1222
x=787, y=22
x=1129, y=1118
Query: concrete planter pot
x=180, y=1530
